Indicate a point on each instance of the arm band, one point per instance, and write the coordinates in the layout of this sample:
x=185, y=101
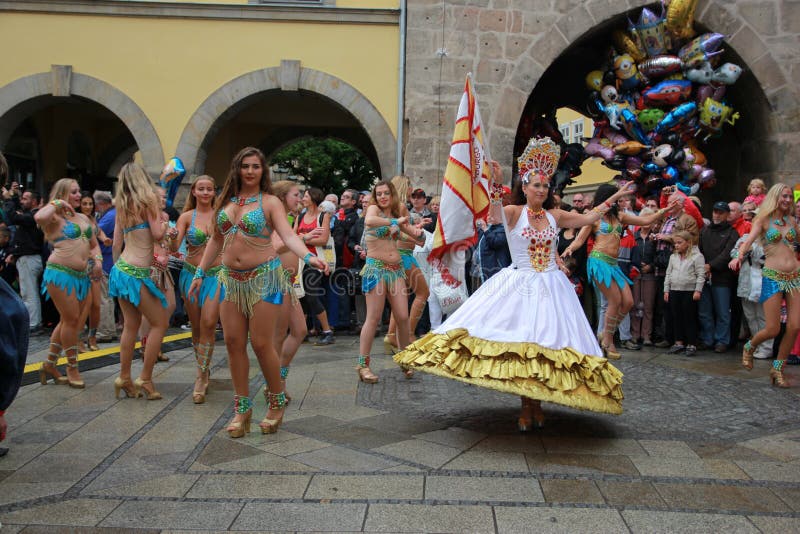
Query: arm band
x=199, y=274
x=307, y=258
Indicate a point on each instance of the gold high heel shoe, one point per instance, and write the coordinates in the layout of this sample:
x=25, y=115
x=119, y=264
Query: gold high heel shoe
x=202, y=354
x=776, y=377
x=531, y=420
x=148, y=393
x=91, y=341
x=364, y=373
x=389, y=348
x=610, y=354
x=127, y=386
x=747, y=355
x=275, y=401
x=72, y=363
x=49, y=369
x=241, y=406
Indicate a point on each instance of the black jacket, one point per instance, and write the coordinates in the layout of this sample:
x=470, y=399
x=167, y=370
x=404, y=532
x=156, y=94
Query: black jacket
x=341, y=232
x=28, y=239
x=494, y=251
x=13, y=343
x=353, y=239
x=716, y=243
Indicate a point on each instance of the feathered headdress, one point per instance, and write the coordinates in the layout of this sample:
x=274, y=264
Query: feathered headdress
x=540, y=158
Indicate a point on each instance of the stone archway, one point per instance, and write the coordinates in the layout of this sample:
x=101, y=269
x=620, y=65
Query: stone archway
x=24, y=96
x=235, y=95
x=758, y=54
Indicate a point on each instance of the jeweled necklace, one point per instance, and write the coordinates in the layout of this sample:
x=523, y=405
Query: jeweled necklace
x=536, y=215
x=242, y=201
x=782, y=221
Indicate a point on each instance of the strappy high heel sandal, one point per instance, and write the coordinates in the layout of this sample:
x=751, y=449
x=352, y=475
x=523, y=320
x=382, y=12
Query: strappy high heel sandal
x=202, y=354
x=776, y=377
x=364, y=373
x=531, y=415
x=390, y=348
x=146, y=389
x=241, y=406
x=131, y=391
x=72, y=363
x=275, y=401
x=92, y=339
x=49, y=368
x=747, y=355
x=284, y=376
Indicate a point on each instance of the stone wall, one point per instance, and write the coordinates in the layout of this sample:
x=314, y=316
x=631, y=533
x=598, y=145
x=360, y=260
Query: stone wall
x=508, y=44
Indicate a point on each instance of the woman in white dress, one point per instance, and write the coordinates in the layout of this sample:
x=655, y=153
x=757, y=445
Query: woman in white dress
x=524, y=331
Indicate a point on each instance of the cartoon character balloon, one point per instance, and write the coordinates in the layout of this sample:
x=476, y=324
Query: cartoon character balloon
x=713, y=116
x=680, y=15
x=171, y=177
x=651, y=33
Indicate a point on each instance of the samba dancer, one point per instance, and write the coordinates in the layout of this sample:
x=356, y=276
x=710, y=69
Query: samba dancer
x=523, y=331
x=253, y=279
x=65, y=278
x=196, y=225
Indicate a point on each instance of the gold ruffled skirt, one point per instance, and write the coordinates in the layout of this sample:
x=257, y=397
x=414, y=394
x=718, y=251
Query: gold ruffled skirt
x=563, y=376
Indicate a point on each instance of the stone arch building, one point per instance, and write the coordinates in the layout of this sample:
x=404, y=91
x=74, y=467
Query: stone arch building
x=510, y=44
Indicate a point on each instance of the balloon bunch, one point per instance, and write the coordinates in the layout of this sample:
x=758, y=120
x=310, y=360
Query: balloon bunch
x=657, y=97
x=171, y=177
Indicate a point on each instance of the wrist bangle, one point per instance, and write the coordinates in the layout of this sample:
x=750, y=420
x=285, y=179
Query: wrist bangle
x=99, y=257
x=393, y=222
x=199, y=274
x=307, y=258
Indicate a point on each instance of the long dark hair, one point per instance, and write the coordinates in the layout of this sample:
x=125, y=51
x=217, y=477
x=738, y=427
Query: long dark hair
x=394, y=205
x=518, y=196
x=603, y=193
x=233, y=183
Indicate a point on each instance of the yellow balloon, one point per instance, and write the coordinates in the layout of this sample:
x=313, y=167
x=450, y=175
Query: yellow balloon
x=680, y=16
x=626, y=45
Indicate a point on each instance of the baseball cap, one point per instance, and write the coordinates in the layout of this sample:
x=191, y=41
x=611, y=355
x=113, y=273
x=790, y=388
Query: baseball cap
x=721, y=205
x=418, y=192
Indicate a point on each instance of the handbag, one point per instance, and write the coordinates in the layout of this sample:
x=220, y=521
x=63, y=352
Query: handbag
x=328, y=251
x=450, y=297
x=297, y=281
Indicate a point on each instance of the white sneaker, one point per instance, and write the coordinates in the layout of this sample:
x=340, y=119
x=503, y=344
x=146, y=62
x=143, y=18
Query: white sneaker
x=187, y=326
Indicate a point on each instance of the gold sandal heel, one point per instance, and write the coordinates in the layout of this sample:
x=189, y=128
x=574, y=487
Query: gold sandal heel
x=142, y=391
x=241, y=406
x=275, y=401
x=365, y=374
x=127, y=386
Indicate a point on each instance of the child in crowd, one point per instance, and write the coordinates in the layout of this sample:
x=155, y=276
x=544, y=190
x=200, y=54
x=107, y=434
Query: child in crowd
x=756, y=191
x=683, y=286
x=571, y=265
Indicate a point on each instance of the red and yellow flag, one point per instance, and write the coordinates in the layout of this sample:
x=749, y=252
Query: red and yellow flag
x=464, y=193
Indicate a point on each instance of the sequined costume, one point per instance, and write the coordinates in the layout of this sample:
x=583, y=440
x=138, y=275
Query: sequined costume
x=125, y=282
x=69, y=280
x=523, y=332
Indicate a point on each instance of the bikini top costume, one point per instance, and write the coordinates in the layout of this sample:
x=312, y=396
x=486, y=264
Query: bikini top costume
x=195, y=237
x=773, y=235
x=606, y=228
x=140, y=226
x=71, y=231
x=532, y=249
x=252, y=223
x=382, y=232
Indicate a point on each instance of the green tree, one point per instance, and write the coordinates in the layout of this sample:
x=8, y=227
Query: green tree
x=326, y=163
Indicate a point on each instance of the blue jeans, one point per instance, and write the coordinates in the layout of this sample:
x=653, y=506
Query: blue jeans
x=714, y=313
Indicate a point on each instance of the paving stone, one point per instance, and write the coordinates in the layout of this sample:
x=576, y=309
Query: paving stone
x=670, y=467
x=265, y=462
x=581, y=464
x=635, y=493
x=783, y=447
x=489, y=461
x=572, y=491
x=51, y=467
x=167, y=514
x=361, y=437
x=223, y=450
x=78, y=512
x=340, y=459
x=317, y=423
x=245, y=486
x=725, y=469
x=667, y=449
x=523, y=442
x=685, y=523
x=790, y=496
x=727, y=451
x=293, y=446
x=558, y=520
x=424, y=518
x=17, y=492
x=421, y=452
x=773, y=471
x=717, y=497
x=776, y=525
x=366, y=487
x=565, y=444
x=301, y=517
x=484, y=489
x=458, y=438
x=167, y=486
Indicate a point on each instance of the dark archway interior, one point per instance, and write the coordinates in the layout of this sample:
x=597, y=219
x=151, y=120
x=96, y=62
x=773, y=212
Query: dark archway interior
x=53, y=137
x=272, y=119
x=741, y=153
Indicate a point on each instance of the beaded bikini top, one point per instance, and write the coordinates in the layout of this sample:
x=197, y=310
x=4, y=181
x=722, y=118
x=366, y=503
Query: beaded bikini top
x=252, y=223
x=72, y=231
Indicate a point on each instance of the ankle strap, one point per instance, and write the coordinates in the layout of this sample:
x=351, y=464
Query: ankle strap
x=363, y=361
x=277, y=400
x=284, y=372
x=202, y=354
x=241, y=404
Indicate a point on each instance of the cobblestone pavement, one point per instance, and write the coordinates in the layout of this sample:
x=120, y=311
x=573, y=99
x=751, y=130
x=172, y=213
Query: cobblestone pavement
x=702, y=446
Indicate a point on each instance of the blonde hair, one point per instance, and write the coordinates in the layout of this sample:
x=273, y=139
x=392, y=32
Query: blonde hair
x=191, y=201
x=61, y=189
x=756, y=181
x=435, y=199
x=281, y=189
x=770, y=205
x=136, y=199
x=402, y=186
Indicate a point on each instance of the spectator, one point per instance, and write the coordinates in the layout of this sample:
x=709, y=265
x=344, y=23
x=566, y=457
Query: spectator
x=13, y=350
x=493, y=250
x=345, y=218
x=748, y=290
x=748, y=212
x=434, y=205
x=644, y=285
x=578, y=202
x=106, y=218
x=27, y=250
x=7, y=270
x=716, y=242
x=418, y=204
x=739, y=223
x=683, y=285
x=355, y=243
x=756, y=191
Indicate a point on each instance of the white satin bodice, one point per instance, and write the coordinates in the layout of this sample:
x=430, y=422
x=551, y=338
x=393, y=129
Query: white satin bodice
x=531, y=249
